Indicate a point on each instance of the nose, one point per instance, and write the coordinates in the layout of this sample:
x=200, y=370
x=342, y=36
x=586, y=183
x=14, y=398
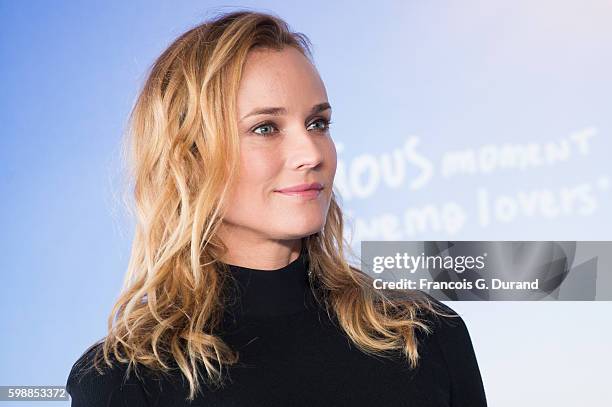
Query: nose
x=304, y=148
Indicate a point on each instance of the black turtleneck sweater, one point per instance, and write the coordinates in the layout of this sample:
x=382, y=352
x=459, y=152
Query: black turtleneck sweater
x=292, y=354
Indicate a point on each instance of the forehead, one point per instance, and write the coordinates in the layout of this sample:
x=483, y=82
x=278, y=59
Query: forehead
x=279, y=78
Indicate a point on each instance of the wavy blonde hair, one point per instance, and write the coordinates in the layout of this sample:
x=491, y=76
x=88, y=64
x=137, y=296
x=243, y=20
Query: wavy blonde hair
x=183, y=157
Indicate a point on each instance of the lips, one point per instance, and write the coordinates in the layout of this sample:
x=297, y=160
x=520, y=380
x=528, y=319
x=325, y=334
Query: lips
x=315, y=186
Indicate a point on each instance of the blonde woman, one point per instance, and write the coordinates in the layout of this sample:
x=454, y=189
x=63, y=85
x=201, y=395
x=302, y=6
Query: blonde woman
x=238, y=292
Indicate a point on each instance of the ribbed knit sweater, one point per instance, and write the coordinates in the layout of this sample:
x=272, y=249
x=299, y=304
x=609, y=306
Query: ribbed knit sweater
x=292, y=353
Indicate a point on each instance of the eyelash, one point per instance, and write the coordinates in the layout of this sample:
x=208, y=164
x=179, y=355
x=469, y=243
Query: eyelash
x=322, y=119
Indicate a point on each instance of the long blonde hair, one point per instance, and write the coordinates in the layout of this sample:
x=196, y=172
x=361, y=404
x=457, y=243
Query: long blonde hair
x=183, y=157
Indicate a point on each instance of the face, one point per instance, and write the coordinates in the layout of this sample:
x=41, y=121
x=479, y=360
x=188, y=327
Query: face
x=281, y=148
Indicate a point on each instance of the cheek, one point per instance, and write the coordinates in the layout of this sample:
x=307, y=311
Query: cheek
x=258, y=172
x=249, y=201
x=331, y=157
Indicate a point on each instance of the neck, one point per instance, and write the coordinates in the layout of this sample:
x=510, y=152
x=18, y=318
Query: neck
x=271, y=254
x=271, y=292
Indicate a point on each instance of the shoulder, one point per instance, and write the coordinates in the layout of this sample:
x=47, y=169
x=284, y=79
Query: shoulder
x=451, y=336
x=447, y=326
x=443, y=321
x=104, y=385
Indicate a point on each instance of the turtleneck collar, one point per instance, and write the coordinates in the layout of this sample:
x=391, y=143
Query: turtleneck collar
x=270, y=293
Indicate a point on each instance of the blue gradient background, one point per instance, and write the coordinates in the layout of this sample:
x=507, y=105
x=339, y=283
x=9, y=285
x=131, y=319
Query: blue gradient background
x=456, y=75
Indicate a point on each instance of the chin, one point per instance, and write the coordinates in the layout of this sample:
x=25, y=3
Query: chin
x=295, y=230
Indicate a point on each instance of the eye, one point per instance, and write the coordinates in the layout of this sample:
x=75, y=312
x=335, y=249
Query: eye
x=264, y=126
x=268, y=126
x=325, y=124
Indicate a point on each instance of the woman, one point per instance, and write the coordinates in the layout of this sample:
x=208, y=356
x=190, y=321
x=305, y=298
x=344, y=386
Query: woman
x=238, y=291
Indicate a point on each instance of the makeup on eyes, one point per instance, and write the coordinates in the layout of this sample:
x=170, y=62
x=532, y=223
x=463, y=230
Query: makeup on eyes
x=325, y=121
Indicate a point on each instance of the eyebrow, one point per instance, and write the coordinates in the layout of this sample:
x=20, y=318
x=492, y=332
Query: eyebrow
x=277, y=111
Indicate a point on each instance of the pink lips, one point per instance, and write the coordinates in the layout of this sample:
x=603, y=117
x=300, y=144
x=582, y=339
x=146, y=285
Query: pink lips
x=303, y=190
